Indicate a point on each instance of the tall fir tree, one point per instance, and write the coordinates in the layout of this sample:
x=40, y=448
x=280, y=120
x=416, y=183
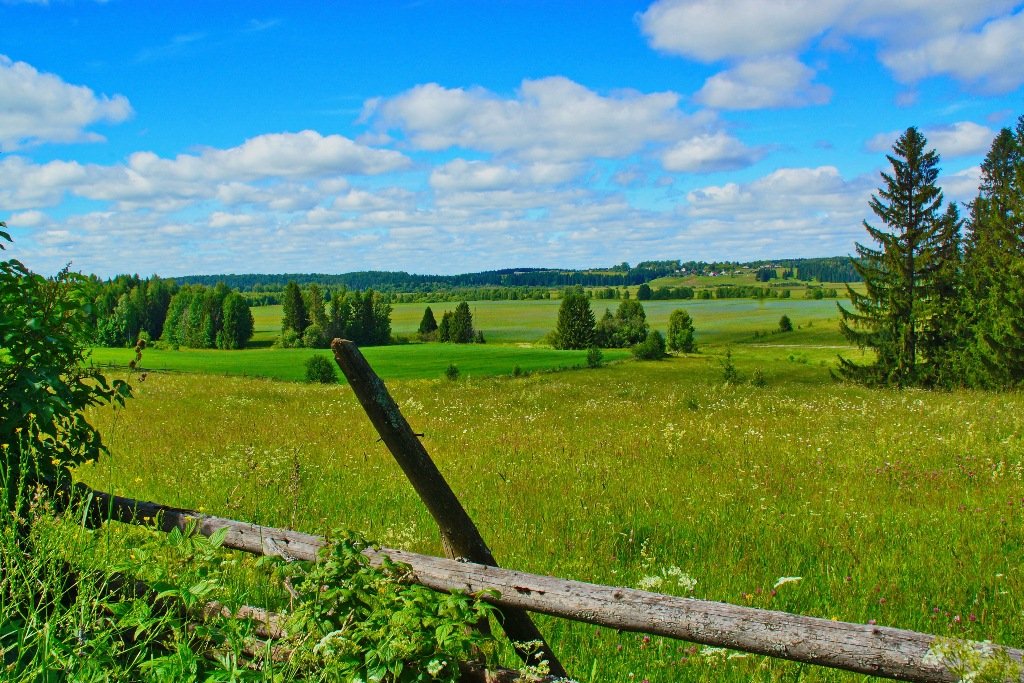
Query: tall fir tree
x=295, y=316
x=901, y=275
x=461, y=326
x=574, y=328
x=994, y=266
x=428, y=324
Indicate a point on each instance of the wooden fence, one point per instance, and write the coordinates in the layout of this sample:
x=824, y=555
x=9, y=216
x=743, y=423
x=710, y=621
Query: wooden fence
x=868, y=649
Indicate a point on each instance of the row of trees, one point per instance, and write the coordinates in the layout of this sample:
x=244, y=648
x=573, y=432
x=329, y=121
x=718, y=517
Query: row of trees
x=942, y=308
x=577, y=328
x=363, y=317
x=127, y=308
x=455, y=327
x=208, y=318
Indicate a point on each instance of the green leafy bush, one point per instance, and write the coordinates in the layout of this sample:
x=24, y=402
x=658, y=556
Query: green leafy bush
x=651, y=348
x=321, y=369
x=45, y=385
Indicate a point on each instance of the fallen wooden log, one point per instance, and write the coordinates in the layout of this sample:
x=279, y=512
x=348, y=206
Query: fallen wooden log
x=877, y=650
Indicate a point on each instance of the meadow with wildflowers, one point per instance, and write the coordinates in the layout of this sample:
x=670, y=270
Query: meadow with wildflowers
x=780, y=489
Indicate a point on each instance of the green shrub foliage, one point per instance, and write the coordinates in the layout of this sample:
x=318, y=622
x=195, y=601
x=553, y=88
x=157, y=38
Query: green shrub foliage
x=321, y=369
x=627, y=327
x=45, y=383
x=651, y=348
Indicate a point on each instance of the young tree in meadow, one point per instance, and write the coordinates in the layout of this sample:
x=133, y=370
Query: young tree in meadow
x=785, y=324
x=574, y=328
x=680, y=332
x=899, y=275
x=461, y=329
x=643, y=292
x=295, y=316
x=428, y=325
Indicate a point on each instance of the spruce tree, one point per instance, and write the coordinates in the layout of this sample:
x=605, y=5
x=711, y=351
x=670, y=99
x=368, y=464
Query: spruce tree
x=428, y=324
x=444, y=330
x=900, y=274
x=994, y=267
x=295, y=316
x=461, y=329
x=574, y=328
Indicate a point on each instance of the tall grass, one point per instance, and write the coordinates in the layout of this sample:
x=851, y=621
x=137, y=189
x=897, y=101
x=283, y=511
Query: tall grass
x=902, y=507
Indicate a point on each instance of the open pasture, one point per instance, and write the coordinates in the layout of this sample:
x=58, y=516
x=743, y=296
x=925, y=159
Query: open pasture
x=407, y=361
x=527, y=322
x=902, y=507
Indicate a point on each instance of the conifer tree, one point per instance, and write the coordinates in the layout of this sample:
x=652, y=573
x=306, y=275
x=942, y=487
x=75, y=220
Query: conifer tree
x=575, y=326
x=444, y=330
x=295, y=316
x=461, y=326
x=994, y=266
x=428, y=324
x=900, y=274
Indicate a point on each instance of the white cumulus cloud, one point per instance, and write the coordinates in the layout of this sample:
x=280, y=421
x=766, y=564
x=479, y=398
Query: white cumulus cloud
x=708, y=153
x=711, y=30
x=551, y=119
x=764, y=83
x=40, y=107
x=989, y=59
x=979, y=43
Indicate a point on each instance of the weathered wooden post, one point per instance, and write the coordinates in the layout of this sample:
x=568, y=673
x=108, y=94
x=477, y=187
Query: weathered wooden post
x=458, y=533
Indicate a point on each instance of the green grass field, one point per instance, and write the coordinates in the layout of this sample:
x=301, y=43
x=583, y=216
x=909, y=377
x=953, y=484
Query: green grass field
x=903, y=507
x=409, y=361
x=527, y=322
x=514, y=330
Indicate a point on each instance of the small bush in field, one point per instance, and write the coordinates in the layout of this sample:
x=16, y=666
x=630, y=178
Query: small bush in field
x=321, y=369
x=452, y=372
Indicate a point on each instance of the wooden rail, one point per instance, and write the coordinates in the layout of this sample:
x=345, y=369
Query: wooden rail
x=877, y=650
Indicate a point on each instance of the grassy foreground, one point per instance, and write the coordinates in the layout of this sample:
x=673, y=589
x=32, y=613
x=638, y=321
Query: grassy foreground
x=906, y=508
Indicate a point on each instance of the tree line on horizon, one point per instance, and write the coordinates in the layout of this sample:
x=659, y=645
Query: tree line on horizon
x=513, y=283
x=943, y=304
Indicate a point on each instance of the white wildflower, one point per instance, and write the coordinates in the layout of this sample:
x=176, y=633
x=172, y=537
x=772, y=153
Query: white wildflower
x=650, y=583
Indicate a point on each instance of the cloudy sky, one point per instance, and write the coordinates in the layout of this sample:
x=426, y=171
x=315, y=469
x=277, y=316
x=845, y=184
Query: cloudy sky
x=438, y=136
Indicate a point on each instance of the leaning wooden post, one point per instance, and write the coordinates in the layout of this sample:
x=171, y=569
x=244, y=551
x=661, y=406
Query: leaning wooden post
x=458, y=533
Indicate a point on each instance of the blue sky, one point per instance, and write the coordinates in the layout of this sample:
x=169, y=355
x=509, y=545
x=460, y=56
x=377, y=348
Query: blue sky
x=445, y=137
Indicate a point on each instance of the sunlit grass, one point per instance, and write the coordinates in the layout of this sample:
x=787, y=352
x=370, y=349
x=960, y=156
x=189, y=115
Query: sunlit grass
x=903, y=507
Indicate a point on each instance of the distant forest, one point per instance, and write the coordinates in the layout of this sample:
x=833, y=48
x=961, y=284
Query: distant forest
x=831, y=269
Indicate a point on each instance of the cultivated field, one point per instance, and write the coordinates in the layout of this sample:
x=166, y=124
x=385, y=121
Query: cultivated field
x=902, y=507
